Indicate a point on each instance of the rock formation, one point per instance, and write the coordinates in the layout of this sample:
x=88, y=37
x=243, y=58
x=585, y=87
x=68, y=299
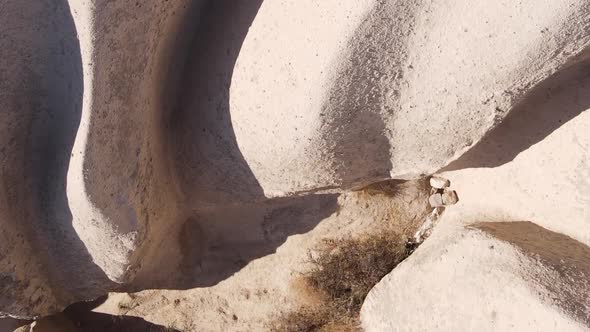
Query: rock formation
x=514, y=253
x=131, y=133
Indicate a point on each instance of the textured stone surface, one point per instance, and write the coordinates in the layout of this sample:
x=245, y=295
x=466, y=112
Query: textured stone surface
x=130, y=129
x=435, y=200
x=439, y=182
x=449, y=197
x=82, y=164
x=408, y=93
x=41, y=95
x=517, y=279
x=482, y=271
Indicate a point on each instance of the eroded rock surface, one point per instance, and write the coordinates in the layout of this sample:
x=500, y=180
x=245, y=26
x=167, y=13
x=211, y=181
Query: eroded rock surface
x=485, y=269
x=507, y=276
x=130, y=131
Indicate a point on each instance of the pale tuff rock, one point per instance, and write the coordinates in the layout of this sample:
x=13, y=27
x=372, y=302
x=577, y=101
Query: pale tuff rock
x=131, y=130
x=509, y=257
x=449, y=197
x=439, y=182
x=436, y=200
x=446, y=198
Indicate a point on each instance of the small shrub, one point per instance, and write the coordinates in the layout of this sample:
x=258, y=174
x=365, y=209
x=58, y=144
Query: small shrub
x=341, y=275
x=315, y=319
x=302, y=320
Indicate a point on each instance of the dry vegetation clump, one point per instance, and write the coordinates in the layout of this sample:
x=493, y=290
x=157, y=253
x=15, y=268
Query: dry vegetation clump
x=314, y=319
x=341, y=275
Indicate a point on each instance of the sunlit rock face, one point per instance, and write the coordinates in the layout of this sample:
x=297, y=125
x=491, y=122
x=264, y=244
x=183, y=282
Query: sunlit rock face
x=128, y=129
x=514, y=252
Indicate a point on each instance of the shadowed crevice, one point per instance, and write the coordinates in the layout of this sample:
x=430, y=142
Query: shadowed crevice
x=228, y=221
x=41, y=105
x=53, y=135
x=80, y=317
x=215, y=244
x=208, y=161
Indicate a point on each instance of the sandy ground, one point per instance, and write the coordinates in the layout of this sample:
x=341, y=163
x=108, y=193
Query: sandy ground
x=257, y=293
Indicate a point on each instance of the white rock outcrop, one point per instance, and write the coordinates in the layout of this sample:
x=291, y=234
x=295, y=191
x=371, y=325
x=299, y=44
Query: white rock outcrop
x=486, y=269
x=127, y=125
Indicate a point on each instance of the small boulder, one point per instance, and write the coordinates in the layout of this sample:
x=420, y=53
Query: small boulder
x=436, y=200
x=449, y=197
x=439, y=183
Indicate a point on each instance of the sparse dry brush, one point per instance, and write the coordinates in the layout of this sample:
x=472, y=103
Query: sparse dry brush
x=341, y=275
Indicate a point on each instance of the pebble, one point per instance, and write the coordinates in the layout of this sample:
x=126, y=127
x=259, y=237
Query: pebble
x=435, y=200
x=449, y=197
x=439, y=183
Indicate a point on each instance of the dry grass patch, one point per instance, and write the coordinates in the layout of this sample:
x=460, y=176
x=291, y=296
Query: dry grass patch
x=342, y=274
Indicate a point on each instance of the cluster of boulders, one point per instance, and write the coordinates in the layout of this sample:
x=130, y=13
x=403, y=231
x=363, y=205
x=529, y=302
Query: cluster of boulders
x=440, y=197
x=441, y=194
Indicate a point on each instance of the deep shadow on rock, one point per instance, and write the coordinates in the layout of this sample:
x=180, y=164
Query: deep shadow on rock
x=43, y=263
x=10, y=324
x=208, y=161
x=229, y=222
x=567, y=257
x=533, y=119
x=80, y=317
x=213, y=245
